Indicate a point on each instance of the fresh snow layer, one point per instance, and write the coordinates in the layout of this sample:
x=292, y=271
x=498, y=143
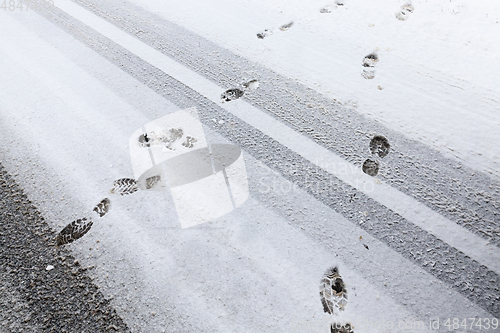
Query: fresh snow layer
x=414, y=211
x=141, y=259
x=240, y=274
x=436, y=78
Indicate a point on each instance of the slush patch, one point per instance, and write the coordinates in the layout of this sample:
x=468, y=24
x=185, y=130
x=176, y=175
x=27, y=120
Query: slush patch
x=144, y=140
x=339, y=328
x=189, y=142
x=368, y=74
x=124, y=186
x=73, y=231
x=370, y=60
x=174, y=135
x=231, y=95
x=251, y=85
x=166, y=139
x=370, y=167
x=287, y=26
x=330, y=8
x=264, y=34
x=332, y=292
x=379, y=145
x=152, y=181
x=404, y=12
x=102, y=207
x=368, y=63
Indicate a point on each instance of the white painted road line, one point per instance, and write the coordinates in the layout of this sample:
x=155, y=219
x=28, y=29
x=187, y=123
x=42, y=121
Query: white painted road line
x=417, y=213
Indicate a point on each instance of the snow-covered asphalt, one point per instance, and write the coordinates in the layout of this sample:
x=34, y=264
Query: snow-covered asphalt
x=416, y=243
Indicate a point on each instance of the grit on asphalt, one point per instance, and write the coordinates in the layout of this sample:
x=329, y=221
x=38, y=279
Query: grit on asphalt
x=32, y=298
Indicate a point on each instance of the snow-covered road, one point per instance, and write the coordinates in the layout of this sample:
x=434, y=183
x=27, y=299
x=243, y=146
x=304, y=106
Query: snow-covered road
x=419, y=241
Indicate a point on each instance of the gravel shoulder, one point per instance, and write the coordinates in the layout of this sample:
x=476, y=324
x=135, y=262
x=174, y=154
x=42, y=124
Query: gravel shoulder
x=32, y=298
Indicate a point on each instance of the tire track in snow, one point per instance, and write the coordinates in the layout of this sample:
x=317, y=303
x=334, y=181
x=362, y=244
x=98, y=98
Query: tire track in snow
x=330, y=235
x=468, y=197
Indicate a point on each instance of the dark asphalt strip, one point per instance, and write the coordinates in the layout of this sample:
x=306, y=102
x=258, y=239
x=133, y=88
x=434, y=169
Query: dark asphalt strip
x=468, y=197
x=63, y=299
x=474, y=281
